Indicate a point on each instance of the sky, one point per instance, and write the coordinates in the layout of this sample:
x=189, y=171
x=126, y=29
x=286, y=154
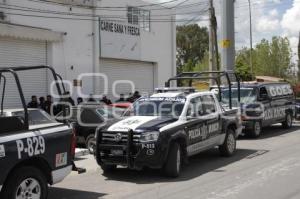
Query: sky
x=270, y=18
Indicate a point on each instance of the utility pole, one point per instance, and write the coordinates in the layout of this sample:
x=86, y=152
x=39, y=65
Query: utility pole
x=215, y=35
x=213, y=41
x=251, y=40
x=212, y=60
x=227, y=36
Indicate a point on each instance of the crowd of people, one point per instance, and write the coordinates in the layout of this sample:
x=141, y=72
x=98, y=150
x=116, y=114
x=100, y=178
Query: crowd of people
x=42, y=103
x=46, y=104
x=132, y=98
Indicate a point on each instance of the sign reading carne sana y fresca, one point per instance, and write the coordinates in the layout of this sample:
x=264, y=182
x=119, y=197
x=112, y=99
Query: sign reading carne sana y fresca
x=109, y=26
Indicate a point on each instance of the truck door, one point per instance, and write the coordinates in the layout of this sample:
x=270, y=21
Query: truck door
x=212, y=118
x=265, y=100
x=196, y=127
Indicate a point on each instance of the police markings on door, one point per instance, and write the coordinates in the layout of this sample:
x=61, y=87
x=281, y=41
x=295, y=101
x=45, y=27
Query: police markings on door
x=203, y=132
x=200, y=135
x=274, y=113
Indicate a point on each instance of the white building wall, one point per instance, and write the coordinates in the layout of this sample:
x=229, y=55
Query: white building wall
x=80, y=40
x=158, y=45
x=76, y=48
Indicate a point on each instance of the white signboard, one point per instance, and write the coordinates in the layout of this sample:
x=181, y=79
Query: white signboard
x=120, y=40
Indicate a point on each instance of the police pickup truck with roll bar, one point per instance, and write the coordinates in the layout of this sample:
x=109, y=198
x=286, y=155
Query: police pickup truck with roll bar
x=163, y=130
x=33, y=154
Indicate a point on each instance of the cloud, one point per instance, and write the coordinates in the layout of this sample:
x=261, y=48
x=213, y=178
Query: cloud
x=267, y=23
x=291, y=25
x=273, y=13
x=269, y=18
x=266, y=18
x=290, y=20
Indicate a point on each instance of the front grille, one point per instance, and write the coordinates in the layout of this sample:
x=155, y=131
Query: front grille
x=110, y=137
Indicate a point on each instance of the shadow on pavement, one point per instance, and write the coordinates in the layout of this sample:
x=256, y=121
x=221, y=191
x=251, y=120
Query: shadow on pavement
x=209, y=161
x=274, y=131
x=60, y=193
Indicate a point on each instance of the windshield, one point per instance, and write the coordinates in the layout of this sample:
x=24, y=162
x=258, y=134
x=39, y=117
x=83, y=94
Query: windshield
x=164, y=107
x=247, y=96
x=36, y=117
x=104, y=112
x=110, y=112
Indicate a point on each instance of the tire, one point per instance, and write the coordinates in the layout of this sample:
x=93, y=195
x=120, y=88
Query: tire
x=17, y=186
x=90, y=143
x=172, y=166
x=256, y=130
x=229, y=146
x=108, y=168
x=288, y=123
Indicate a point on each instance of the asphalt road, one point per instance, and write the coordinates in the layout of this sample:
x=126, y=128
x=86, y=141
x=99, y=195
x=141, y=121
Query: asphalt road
x=266, y=168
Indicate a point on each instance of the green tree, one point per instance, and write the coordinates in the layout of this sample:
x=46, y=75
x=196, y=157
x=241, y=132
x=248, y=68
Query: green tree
x=271, y=58
x=280, y=56
x=203, y=65
x=241, y=66
x=261, y=57
x=192, y=43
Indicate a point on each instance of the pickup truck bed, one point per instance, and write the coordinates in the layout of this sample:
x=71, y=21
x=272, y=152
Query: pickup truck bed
x=45, y=150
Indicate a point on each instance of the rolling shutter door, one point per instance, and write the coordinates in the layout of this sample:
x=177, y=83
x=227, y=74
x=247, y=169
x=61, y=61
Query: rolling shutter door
x=140, y=73
x=14, y=52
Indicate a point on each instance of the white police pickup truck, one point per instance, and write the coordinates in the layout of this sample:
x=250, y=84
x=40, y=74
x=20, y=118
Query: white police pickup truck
x=165, y=129
x=34, y=149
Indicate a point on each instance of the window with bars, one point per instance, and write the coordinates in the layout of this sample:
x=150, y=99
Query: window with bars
x=141, y=17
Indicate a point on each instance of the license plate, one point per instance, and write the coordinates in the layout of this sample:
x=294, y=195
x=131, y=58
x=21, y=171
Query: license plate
x=117, y=152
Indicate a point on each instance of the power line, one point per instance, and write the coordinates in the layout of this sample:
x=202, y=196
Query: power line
x=195, y=18
x=26, y=9
x=117, y=8
x=145, y=5
x=90, y=19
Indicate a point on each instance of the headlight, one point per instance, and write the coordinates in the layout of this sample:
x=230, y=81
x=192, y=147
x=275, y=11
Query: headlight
x=149, y=136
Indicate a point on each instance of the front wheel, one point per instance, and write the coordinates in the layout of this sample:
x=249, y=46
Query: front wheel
x=26, y=182
x=256, y=130
x=173, y=164
x=288, y=123
x=229, y=146
x=90, y=143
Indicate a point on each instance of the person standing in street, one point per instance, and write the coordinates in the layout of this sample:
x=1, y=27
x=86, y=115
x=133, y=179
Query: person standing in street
x=33, y=103
x=48, y=104
x=106, y=100
x=79, y=101
x=122, y=99
x=42, y=104
x=91, y=98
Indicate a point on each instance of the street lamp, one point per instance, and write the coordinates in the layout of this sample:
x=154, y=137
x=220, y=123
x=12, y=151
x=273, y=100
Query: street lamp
x=251, y=59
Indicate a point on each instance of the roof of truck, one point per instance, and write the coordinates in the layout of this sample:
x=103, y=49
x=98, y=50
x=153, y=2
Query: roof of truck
x=168, y=94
